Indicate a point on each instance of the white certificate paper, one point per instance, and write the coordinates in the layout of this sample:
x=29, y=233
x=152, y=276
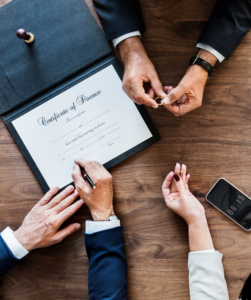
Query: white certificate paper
x=93, y=120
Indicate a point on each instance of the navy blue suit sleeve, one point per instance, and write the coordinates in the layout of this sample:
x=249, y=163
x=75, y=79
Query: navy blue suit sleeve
x=7, y=260
x=107, y=265
x=227, y=25
x=119, y=17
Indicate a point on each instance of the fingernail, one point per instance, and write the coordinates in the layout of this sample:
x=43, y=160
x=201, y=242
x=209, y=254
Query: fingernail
x=165, y=101
x=54, y=187
x=155, y=105
x=176, y=177
x=77, y=226
x=82, y=201
x=70, y=188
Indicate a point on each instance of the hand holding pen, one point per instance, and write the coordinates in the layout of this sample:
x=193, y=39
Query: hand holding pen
x=87, y=178
x=99, y=200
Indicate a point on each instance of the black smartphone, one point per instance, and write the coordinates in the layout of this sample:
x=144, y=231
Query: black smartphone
x=232, y=202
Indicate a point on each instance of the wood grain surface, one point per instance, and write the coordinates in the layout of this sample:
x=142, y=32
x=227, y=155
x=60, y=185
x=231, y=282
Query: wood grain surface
x=214, y=141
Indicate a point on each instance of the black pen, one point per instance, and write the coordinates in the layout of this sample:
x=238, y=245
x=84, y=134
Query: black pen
x=87, y=178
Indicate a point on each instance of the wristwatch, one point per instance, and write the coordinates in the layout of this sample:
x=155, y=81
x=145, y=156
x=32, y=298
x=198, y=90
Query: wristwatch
x=112, y=218
x=195, y=60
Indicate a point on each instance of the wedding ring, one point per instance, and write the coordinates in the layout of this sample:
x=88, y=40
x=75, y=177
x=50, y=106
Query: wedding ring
x=159, y=99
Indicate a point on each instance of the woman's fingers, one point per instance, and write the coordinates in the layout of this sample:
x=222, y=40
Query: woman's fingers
x=180, y=187
x=176, y=171
x=186, y=182
x=183, y=170
x=166, y=184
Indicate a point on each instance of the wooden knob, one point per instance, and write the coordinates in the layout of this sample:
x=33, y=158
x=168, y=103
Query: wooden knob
x=23, y=34
x=28, y=37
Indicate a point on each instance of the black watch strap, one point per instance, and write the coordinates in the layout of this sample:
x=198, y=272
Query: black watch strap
x=195, y=60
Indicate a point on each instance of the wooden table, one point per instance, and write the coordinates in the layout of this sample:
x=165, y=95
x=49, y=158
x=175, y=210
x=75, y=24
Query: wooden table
x=213, y=141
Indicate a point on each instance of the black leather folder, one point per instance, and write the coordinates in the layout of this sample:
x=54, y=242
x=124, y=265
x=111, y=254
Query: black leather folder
x=69, y=46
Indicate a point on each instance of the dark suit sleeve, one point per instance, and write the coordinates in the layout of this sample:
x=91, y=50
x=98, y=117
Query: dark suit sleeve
x=119, y=17
x=7, y=260
x=107, y=265
x=227, y=25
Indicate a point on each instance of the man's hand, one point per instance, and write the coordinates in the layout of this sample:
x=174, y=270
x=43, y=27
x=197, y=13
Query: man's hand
x=100, y=200
x=188, y=95
x=141, y=81
x=40, y=226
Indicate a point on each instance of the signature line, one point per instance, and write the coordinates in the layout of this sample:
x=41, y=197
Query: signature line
x=63, y=136
x=97, y=116
x=110, y=141
x=88, y=139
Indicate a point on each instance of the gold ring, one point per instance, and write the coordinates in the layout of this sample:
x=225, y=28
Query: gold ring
x=159, y=99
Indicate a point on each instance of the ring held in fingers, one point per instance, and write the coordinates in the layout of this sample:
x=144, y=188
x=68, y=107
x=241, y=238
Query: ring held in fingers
x=159, y=100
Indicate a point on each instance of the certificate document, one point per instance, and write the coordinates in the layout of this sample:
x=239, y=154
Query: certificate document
x=93, y=119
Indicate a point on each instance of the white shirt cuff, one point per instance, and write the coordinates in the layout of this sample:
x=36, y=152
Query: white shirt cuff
x=11, y=241
x=204, y=251
x=210, y=49
x=125, y=36
x=96, y=226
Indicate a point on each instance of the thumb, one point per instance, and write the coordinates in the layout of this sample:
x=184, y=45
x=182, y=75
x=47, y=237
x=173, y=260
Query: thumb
x=77, y=176
x=174, y=95
x=81, y=162
x=180, y=187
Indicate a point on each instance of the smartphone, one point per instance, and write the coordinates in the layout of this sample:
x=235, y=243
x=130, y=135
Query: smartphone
x=232, y=202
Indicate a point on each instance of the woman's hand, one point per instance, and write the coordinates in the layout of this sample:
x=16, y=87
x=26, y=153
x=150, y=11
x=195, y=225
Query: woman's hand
x=180, y=200
x=178, y=197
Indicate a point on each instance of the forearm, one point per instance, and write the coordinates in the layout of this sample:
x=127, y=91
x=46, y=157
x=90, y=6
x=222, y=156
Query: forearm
x=206, y=273
x=199, y=235
x=132, y=49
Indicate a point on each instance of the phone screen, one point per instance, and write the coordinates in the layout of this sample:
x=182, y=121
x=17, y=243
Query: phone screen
x=232, y=202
